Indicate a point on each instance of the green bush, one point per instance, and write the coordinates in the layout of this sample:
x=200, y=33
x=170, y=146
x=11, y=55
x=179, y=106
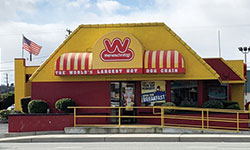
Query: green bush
x=213, y=104
x=186, y=103
x=63, y=104
x=234, y=106
x=170, y=104
x=6, y=100
x=227, y=103
x=37, y=106
x=24, y=102
x=5, y=113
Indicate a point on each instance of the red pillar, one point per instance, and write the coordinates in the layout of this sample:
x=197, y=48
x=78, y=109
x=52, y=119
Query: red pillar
x=168, y=91
x=200, y=93
x=138, y=93
x=229, y=92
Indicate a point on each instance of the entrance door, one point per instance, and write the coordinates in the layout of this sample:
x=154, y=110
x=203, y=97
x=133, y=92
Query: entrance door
x=123, y=94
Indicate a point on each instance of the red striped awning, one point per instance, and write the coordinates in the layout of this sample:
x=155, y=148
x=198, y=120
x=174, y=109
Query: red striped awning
x=70, y=63
x=163, y=61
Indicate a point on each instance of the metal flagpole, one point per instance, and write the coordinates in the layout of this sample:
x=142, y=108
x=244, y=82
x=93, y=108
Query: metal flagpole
x=22, y=47
x=219, y=43
x=30, y=56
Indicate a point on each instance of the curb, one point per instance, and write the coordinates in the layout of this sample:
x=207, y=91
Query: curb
x=129, y=138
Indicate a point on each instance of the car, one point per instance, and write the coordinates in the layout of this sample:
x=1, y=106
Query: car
x=12, y=107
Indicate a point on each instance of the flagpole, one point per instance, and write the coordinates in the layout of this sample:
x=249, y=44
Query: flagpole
x=30, y=56
x=22, y=48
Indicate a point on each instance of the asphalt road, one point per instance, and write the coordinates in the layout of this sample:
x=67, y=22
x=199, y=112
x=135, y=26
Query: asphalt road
x=127, y=146
x=3, y=129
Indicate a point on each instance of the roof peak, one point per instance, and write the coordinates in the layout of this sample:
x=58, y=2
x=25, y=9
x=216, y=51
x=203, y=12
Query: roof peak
x=122, y=25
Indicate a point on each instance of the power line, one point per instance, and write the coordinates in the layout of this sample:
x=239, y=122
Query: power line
x=18, y=34
x=8, y=62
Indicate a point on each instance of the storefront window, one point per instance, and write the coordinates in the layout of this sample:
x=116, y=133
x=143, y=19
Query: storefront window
x=184, y=92
x=216, y=91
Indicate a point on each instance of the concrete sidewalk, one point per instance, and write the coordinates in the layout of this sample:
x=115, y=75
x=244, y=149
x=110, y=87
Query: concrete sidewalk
x=3, y=129
x=130, y=138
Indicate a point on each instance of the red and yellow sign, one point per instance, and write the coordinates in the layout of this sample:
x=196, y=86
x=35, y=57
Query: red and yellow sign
x=118, y=50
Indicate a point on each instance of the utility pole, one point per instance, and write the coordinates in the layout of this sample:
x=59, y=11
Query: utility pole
x=68, y=33
x=7, y=81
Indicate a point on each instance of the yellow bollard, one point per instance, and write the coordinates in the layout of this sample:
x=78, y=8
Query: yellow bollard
x=207, y=119
x=162, y=117
x=202, y=120
x=74, y=117
x=119, y=117
x=238, y=124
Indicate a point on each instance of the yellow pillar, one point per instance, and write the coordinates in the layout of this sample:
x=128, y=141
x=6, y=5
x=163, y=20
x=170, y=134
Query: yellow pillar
x=19, y=82
x=238, y=94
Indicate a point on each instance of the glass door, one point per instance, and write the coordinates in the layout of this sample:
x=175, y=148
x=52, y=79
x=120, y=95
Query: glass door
x=123, y=94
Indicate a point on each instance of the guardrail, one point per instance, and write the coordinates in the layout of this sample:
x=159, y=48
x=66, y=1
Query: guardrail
x=206, y=118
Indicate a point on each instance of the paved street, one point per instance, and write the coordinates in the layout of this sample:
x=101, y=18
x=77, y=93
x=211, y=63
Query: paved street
x=3, y=129
x=128, y=146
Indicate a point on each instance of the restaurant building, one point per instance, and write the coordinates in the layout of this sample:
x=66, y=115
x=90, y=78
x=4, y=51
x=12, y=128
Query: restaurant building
x=137, y=64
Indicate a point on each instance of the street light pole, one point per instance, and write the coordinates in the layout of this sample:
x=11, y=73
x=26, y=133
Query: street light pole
x=245, y=51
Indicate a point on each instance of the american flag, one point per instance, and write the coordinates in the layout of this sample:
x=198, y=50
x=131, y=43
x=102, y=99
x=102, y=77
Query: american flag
x=30, y=46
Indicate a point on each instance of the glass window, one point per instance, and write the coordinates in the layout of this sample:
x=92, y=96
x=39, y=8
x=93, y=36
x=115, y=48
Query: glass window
x=184, y=91
x=216, y=91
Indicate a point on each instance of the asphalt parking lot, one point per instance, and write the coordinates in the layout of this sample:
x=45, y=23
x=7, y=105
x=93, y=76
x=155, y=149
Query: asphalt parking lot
x=3, y=129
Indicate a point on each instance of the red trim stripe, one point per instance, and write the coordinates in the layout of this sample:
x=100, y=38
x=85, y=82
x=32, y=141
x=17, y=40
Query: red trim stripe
x=72, y=61
x=87, y=61
x=65, y=61
x=179, y=60
x=144, y=57
x=157, y=61
x=150, y=59
x=172, y=59
x=165, y=59
x=79, y=61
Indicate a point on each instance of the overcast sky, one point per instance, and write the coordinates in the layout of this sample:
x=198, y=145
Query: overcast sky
x=196, y=21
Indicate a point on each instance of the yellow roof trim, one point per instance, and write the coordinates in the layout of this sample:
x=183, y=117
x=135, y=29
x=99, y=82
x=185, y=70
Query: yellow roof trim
x=233, y=81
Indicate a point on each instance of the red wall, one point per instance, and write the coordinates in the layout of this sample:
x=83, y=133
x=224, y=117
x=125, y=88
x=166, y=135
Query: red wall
x=31, y=123
x=83, y=93
x=53, y=122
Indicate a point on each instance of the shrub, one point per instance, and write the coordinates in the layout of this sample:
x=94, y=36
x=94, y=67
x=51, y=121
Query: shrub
x=227, y=103
x=171, y=104
x=234, y=106
x=37, y=106
x=186, y=103
x=63, y=104
x=24, y=102
x=6, y=100
x=213, y=104
x=5, y=113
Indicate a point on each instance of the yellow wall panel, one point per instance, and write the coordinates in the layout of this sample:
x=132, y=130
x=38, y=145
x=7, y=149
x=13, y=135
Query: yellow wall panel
x=238, y=94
